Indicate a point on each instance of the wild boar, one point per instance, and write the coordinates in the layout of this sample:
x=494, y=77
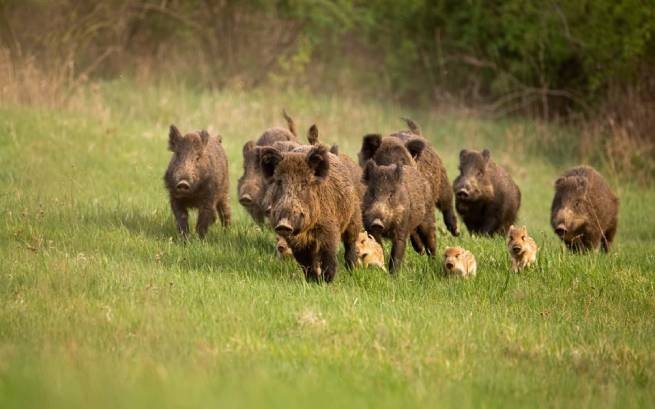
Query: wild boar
x=397, y=204
x=485, y=195
x=251, y=184
x=584, y=213
x=314, y=204
x=411, y=148
x=459, y=262
x=197, y=177
x=522, y=248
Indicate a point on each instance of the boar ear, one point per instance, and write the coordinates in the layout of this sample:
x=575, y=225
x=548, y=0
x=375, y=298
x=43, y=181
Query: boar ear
x=312, y=135
x=290, y=124
x=269, y=157
x=413, y=126
x=204, y=137
x=559, y=181
x=415, y=147
x=486, y=155
x=248, y=146
x=368, y=170
x=319, y=162
x=462, y=154
x=370, y=145
x=509, y=231
x=334, y=149
x=174, y=135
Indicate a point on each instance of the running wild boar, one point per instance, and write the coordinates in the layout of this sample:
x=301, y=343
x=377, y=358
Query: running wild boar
x=314, y=204
x=411, y=148
x=197, y=178
x=485, y=195
x=398, y=204
x=251, y=184
x=584, y=213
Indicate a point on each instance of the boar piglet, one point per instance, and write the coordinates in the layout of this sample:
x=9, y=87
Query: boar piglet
x=313, y=205
x=251, y=185
x=411, y=148
x=197, y=178
x=485, y=195
x=584, y=213
x=397, y=204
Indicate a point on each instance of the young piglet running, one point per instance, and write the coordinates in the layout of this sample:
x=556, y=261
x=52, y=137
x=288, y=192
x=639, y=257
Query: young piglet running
x=369, y=251
x=459, y=262
x=522, y=248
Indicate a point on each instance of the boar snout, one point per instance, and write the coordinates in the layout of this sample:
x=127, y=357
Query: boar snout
x=245, y=199
x=183, y=186
x=283, y=228
x=516, y=249
x=449, y=265
x=463, y=193
x=561, y=230
x=376, y=226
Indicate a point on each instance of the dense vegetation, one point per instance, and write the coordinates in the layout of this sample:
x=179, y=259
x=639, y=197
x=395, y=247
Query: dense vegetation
x=513, y=53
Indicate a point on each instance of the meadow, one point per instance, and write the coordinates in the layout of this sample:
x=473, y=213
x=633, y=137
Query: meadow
x=101, y=305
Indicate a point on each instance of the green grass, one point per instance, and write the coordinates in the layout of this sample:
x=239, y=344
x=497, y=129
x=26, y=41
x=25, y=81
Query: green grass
x=102, y=306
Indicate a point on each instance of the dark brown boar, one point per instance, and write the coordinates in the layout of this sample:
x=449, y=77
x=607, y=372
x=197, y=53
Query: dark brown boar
x=411, y=148
x=197, y=177
x=251, y=184
x=485, y=195
x=398, y=204
x=314, y=204
x=584, y=213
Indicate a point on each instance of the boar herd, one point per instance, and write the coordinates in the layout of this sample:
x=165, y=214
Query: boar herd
x=314, y=196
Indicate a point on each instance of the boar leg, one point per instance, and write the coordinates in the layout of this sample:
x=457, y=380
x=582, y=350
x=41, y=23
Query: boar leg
x=206, y=216
x=490, y=224
x=428, y=233
x=449, y=217
x=349, y=239
x=592, y=239
x=224, y=213
x=417, y=243
x=181, y=217
x=307, y=258
x=397, y=252
x=328, y=263
x=608, y=238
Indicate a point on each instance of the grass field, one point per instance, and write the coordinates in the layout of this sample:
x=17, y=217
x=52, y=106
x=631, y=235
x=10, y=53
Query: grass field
x=102, y=306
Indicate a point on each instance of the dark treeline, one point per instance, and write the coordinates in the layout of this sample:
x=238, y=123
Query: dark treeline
x=550, y=58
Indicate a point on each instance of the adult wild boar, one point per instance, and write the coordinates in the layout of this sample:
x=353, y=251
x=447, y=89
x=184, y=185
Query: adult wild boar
x=398, y=204
x=314, y=204
x=584, y=213
x=485, y=195
x=251, y=184
x=197, y=177
x=411, y=148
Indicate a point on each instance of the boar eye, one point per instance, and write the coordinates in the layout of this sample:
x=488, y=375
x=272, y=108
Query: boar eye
x=522, y=237
x=480, y=173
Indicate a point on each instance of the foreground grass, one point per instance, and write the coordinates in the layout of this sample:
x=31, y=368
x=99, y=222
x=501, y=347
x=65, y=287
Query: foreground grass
x=102, y=306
